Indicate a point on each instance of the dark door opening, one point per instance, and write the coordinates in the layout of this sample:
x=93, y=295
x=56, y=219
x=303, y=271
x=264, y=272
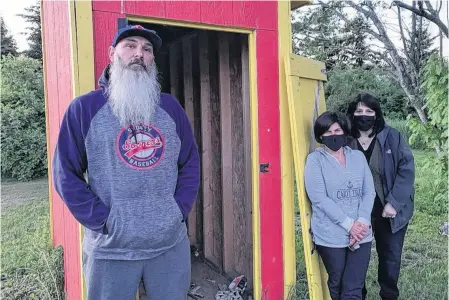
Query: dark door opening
x=207, y=71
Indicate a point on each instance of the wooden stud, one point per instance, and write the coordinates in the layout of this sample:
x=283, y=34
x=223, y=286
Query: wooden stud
x=247, y=154
x=216, y=181
x=207, y=149
x=198, y=135
x=189, y=108
x=175, y=79
x=226, y=158
x=240, y=206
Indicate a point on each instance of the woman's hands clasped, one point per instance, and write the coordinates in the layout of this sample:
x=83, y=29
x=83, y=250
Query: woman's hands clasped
x=358, y=232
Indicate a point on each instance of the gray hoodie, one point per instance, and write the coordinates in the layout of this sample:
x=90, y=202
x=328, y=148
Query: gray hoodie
x=339, y=196
x=143, y=178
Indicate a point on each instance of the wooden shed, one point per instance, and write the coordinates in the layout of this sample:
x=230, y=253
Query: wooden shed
x=224, y=62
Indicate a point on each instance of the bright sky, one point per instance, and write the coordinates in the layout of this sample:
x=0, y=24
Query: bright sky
x=391, y=17
x=15, y=24
x=390, y=20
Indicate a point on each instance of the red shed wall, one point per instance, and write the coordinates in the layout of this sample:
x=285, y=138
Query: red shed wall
x=245, y=14
x=59, y=93
x=258, y=15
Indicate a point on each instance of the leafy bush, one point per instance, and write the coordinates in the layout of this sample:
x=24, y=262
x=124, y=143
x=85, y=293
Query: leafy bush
x=23, y=141
x=430, y=184
x=434, y=134
x=344, y=84
x=403, y=128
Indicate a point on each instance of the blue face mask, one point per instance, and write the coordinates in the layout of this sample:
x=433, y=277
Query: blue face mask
x=334, y=142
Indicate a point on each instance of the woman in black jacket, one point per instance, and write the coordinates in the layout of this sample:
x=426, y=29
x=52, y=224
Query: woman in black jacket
x=392, y=166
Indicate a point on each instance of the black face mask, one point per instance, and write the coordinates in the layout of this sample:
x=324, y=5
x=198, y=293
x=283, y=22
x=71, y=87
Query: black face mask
x=334, y=142
x=364, y=123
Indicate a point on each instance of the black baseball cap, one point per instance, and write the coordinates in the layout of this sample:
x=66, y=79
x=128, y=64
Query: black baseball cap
x=137, y=30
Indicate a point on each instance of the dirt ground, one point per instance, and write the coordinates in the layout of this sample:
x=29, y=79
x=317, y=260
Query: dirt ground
x=204, y=277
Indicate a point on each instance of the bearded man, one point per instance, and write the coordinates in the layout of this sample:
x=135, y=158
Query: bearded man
x=126, y=165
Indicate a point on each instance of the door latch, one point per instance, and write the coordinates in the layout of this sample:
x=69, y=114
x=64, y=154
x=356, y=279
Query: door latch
x=264, y=168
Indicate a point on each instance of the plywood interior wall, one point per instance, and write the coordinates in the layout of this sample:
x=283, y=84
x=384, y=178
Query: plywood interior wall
x=208, y=73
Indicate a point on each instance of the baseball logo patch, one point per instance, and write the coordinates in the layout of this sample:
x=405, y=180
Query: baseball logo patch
x=140, y=146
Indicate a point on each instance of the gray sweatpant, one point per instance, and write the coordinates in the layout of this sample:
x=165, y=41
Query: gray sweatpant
x=166, y=277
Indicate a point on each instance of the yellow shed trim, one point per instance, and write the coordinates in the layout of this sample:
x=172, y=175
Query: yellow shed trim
x=288, y=204
x=306, y=101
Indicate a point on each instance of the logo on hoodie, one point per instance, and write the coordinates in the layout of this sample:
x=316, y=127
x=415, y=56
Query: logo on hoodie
x=350, y=190
x=140, y=146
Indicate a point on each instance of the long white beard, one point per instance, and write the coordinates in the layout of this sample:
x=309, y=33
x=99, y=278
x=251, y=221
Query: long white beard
x=134, y=94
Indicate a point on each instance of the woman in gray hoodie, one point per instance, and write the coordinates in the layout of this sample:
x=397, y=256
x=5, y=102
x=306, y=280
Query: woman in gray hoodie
x=340, y=187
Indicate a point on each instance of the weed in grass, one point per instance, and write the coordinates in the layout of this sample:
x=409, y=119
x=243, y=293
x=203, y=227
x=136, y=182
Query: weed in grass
x=301, y=290
x=31, y=267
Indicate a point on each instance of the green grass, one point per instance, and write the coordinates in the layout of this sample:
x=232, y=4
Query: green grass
x=301, y=288
x=30, y=267
x=424, y=271
x=33, y=269
x=15, y=193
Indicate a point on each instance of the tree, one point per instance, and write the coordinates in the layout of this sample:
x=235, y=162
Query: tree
x=401, y=63
x=23, y=142
x=315, y=35
x=344, y=83
x=319, y=33
x=8, y=44
x=435, y=132
x=357, y=42
x=33, y=17
x=427, y=11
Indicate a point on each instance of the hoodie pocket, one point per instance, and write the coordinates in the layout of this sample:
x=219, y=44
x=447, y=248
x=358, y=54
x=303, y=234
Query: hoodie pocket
x=115, y=230
x=143, y=223
x=109, y=221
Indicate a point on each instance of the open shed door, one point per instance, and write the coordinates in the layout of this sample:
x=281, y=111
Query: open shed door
x=305, y=78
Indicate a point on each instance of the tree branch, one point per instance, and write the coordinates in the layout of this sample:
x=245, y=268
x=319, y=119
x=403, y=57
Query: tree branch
x=409, y=7
x=401, y=30
x=441, y=6
x=430, y=15
x=396, y=59
x=430, y=8
x=407, y=50
x=325, y=5
x=382, y=35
